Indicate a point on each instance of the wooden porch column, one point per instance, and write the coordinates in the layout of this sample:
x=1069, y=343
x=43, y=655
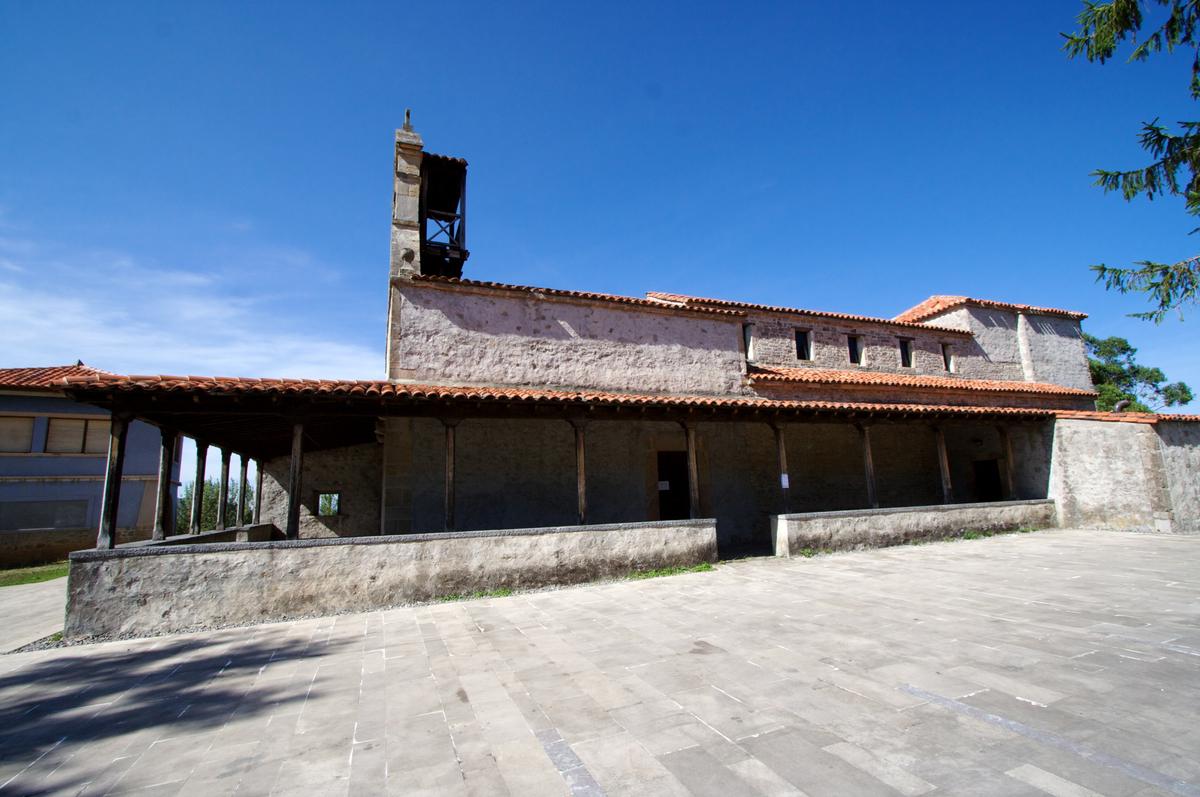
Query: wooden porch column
x=241, y=502
x=1010, y=465
x=580, y=426
x=784, y=478
x=689, y=428
x=450, y=424
x=223, y=491
x=258, y=476
x=944, y=465
x=198, y=487
x=107, y=538
x=164, y=512
x=864, y=433
x=295, y=482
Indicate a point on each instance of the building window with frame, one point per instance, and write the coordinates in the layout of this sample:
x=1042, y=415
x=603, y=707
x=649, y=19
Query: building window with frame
x=906, y=352
x=77, y=435
x=748, y=340
x=948, y=357
x=16, y=435
x=803, y=344
x=854, y=348
x=329, y=504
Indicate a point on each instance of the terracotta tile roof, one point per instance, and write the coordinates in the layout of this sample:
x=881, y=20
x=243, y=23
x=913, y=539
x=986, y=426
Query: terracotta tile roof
x=1127, y=417
x=826, y=376
x=448, y=158
x=388, y=391
x=698, y=302
x=601, y=297
x=939, y=304
x=44, y=378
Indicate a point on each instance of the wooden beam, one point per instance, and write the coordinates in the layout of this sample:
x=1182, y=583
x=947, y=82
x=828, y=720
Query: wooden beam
x=785, y=486
x=689, y=428
x=580, y=427
x=258, y=479
x=198, y=487
x=241, y=499
x=939, y=436
x=864, y=433
x=450, y=424
x=107, y=536
x=1010, y=464
x=295, y=482
x=223, y=490
x=164, y=509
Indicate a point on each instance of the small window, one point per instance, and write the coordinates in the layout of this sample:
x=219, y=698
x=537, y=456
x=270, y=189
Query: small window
x=77, y=436
x=947, y=357
x=906, y=352
x=16, y=435
x=854, y=347
x=803, y=344
x=328, y=504
x=748, y=340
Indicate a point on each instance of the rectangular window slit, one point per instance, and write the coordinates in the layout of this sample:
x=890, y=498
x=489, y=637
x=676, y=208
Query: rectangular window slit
x=803, y=344
x=854, y=348
x=947, y=357
x=906, y=352
x=329, y=504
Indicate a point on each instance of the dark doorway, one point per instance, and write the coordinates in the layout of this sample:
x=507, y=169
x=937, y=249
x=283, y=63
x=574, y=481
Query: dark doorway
x=987, y=480
x=673, y=485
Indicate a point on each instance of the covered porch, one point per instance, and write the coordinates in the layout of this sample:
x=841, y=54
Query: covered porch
x=338, y=459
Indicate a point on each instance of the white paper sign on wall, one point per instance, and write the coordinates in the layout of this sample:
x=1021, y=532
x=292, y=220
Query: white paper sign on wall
x=663, y=486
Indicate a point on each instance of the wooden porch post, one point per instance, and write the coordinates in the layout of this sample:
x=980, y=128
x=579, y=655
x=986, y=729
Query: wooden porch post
x=580, y=427
x=295, y=482
x=241, y=502
x=689, y=428
x=223, y=491
x=164, y=512
x=864, y=433
x=1010, y=465
x=944, y=465
x=784, y=478
x=258, y=477
x=107, y=537
x=198, y=487
x=450, y=424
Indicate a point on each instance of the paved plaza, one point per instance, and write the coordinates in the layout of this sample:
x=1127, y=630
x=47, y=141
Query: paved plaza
x=1058, y=662
x=29, y=612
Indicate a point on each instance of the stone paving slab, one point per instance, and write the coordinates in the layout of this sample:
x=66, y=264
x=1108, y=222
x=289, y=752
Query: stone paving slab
x=1063, y=663
x=29, y=612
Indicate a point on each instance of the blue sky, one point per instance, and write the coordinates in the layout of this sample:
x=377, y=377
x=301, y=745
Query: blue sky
x=205, y=187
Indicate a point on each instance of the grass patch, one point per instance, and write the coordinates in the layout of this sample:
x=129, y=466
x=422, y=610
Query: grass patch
x=32, y=575
x=809, y=553
x=503, y=592
x=703, y=567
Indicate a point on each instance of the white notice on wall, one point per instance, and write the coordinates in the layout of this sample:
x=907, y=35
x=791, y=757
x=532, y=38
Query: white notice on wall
x=664, y=486
x=783, y=480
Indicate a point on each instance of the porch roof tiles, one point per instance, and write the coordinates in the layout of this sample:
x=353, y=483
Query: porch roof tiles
x=388, y=392
x=828, y=376
x=48, y=378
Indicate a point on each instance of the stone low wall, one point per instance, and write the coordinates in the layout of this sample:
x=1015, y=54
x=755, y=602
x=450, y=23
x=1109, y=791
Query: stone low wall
x=40, y=546
x=154, y=589
x=876, y=528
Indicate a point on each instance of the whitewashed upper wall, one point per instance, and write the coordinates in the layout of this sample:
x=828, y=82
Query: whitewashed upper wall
x=1008, y=345
x=474, y=335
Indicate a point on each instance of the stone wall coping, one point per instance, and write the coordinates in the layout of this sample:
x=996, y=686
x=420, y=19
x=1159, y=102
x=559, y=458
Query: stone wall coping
x=896, y=510
x=94, y=555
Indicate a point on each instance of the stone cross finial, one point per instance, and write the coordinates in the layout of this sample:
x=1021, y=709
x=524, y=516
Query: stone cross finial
x=408, y=119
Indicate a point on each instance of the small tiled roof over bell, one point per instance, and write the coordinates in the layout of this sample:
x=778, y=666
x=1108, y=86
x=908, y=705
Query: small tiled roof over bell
x=935, y=305
x=47, y=377
x=828, y=376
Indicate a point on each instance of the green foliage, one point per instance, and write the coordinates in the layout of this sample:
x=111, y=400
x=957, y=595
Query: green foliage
x=703, y=567
x=32, y=575
x=503, y=592
x=1119, y=377
x=208, y=510
x=1175, y=168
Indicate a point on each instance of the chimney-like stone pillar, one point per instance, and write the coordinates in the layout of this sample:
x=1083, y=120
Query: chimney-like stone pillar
x=406, y=203
x=406, y=229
